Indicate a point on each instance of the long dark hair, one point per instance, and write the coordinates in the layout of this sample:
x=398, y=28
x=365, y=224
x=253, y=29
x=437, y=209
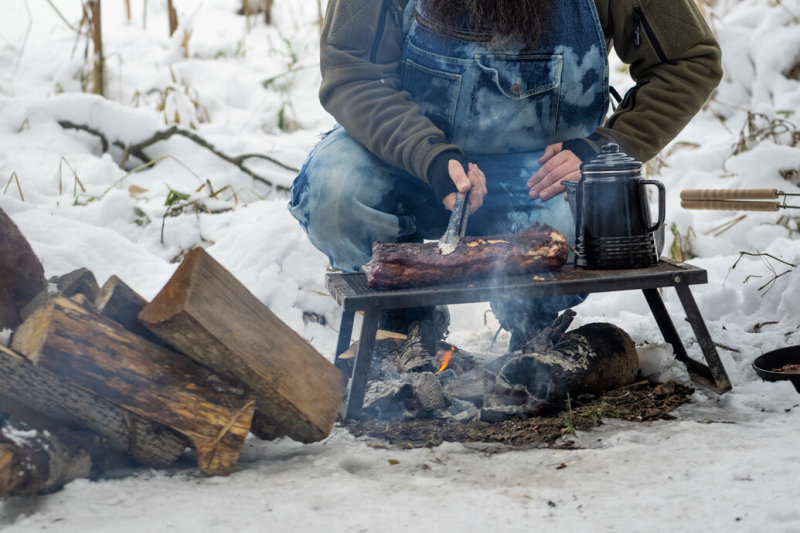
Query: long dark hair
x=526, y=20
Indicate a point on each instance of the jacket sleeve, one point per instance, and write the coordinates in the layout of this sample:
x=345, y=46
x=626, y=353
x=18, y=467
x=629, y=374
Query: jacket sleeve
x=360, y=52
x=676, y=64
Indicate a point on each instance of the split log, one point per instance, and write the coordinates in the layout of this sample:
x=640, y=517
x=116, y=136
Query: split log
x=401, y=265
x=44, y=400
x=207, y=314
x=38, y=462
x=79, y=281
x=21, y=273
x=122, y=304
x=98, y=355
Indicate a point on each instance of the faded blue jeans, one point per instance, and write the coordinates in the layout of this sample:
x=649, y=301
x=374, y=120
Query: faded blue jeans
x=503, y=106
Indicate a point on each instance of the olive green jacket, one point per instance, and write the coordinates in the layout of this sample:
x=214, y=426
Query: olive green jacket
x=673, y=57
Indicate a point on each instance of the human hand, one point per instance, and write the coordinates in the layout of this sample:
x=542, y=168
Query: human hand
x=473, y=181
x=557, y=165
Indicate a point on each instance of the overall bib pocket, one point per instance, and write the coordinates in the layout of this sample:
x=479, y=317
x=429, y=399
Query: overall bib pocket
x=524, y=90
x=434, y=89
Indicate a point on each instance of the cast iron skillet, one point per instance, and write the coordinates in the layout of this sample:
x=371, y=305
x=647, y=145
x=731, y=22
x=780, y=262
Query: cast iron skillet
x=764, y=365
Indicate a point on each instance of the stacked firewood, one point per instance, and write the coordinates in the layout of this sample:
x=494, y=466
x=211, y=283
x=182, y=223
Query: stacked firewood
x=96, y=371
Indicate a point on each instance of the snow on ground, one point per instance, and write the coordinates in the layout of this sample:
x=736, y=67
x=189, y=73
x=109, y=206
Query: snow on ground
x=727, y=463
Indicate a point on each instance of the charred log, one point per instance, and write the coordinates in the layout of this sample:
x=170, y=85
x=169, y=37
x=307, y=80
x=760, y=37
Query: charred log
x=401, y=265
x=38, y=462
x=21, y=273
x=590, y=359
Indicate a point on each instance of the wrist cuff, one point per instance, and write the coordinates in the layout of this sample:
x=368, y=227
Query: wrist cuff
x=581, y=148
x=439, y=174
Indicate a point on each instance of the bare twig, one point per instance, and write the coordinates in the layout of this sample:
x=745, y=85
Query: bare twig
x=137, y=150
x=763, y=256
x=238, y=161
x=66, y=124
x=774, y=279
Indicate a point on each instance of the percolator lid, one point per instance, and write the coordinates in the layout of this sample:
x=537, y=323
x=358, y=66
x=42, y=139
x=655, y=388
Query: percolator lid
x=611, y=159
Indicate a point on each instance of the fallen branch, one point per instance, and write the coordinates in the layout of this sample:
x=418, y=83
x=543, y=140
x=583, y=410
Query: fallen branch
x=137, y=150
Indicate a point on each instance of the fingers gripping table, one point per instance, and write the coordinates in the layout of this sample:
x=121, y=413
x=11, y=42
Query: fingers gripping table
x=351, y=292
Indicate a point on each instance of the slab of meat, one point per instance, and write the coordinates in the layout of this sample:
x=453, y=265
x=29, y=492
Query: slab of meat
x=402, y=265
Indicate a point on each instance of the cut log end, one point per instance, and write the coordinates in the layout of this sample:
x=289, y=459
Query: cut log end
x=206, y=313
x=30, y=336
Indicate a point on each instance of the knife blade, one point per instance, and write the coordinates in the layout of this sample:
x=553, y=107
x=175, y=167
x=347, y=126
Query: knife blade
x=456, y=227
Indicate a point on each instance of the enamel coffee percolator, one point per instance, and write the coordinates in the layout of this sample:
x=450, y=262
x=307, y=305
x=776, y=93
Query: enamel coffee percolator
x=613, y=227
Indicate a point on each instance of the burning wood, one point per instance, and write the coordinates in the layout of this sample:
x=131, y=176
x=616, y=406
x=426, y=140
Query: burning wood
x=446, y=356
x=400, y=265
x=555, y=365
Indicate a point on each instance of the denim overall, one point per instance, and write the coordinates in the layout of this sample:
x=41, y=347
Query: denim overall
x=502, y=104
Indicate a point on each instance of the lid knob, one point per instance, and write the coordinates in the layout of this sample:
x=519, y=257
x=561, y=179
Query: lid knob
x=611, y=159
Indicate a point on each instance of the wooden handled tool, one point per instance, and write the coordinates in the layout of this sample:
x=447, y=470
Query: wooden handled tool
x=735, y=199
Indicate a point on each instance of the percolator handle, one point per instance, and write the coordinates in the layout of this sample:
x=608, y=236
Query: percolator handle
x=662, y=203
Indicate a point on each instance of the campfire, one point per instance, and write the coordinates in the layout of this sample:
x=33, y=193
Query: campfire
x=416, y=378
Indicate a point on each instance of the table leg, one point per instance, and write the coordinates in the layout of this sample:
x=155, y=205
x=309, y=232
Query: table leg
x=345, y=332
x=358, y=381
x=712, y=377
x=715, y=366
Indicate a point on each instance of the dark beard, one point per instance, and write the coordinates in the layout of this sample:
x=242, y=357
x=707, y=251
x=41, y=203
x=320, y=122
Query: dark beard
x=524, y=19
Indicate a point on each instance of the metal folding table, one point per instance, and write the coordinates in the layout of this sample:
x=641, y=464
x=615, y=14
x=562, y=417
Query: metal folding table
x=351, y=292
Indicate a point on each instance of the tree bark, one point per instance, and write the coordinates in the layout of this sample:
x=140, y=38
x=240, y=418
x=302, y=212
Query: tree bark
x=39, y=462
x=43, y=400
x=98, y=355
x=206, y=313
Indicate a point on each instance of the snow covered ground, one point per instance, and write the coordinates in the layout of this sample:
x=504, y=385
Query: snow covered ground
x=727, y=463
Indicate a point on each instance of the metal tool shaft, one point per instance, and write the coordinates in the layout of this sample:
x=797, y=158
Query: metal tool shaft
x=456, y=227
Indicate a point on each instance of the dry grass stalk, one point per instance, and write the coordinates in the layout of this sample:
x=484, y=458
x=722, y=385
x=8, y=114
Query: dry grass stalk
x=15, y=179
x=187, y=36
x=98, y=69
x=173, y=17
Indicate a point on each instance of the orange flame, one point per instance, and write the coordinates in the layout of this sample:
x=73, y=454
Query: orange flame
x=446, y=358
